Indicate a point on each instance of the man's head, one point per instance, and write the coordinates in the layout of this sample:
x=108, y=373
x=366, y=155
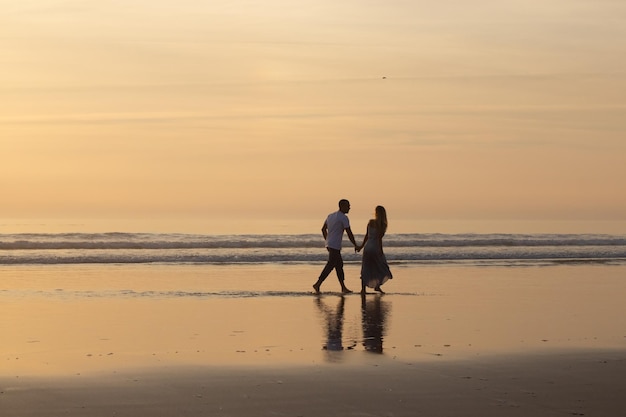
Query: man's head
x=344, y=206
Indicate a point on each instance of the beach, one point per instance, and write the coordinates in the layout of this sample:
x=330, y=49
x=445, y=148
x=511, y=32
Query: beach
x=572, y=384
x=235, y=340
x=170, y=170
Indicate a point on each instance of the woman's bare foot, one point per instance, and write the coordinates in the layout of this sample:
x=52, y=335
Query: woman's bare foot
x=379, y=289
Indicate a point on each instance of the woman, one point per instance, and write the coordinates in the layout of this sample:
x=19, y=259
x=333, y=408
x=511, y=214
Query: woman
x=374, y=269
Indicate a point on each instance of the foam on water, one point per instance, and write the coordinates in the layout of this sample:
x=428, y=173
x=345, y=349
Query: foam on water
x=139, y=248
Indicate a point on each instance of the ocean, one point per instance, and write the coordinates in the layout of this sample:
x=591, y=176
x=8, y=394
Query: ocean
x=173, y=248
x=85, y=303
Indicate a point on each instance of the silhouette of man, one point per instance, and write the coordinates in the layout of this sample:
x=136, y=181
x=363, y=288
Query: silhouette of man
x=332, y=230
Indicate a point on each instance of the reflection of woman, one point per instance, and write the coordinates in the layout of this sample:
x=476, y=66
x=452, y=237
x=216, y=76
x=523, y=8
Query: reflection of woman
x=374, y=313
x=374, y=269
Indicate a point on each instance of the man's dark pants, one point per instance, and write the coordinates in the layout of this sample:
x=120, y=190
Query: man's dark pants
x=335, y=261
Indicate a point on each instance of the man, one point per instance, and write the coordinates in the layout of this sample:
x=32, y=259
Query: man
x=332, y=230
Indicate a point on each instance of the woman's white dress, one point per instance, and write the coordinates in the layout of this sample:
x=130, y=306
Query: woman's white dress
x=374, y=268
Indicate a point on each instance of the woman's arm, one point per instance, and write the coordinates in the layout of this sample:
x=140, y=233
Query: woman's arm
x=358, y=248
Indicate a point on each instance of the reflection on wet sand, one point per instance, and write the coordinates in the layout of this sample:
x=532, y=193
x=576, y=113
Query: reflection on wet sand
x=333, y=320
x=373, y=316
x=374, y=312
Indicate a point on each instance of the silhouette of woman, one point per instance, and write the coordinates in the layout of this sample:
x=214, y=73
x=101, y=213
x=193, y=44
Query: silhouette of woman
x=374, y=268
x=374, y=314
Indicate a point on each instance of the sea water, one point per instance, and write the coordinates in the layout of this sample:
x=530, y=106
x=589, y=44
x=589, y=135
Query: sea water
x=74, y=302
x=173, y=248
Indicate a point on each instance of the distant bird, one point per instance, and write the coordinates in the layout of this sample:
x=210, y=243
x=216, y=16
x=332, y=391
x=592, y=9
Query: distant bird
x=384, y=78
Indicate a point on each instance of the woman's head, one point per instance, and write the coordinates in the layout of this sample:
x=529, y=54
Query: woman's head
x=380, y=212
x=381, y=218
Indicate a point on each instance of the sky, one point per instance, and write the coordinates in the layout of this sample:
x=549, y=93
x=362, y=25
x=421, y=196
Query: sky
x=248, y=116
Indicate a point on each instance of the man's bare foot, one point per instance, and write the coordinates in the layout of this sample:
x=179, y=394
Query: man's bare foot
x=345, y=290
x=316, y=287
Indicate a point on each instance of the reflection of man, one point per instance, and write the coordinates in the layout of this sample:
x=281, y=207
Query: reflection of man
x=332, y=230
x=374, y=312
x=334, y=324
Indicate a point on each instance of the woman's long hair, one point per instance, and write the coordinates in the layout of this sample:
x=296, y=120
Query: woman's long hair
x=381, y=220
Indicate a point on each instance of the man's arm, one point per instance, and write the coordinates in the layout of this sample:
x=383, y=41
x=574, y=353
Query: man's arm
x=351, y=236
x=325, y=230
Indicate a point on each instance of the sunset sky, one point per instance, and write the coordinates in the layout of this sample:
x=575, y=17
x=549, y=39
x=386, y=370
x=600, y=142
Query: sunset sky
x=165, y=114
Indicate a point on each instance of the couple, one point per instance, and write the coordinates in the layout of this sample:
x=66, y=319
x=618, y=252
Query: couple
x=374, y=268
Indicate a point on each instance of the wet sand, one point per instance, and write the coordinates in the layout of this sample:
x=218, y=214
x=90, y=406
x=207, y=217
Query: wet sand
x=565, y=384
x=238, y=341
